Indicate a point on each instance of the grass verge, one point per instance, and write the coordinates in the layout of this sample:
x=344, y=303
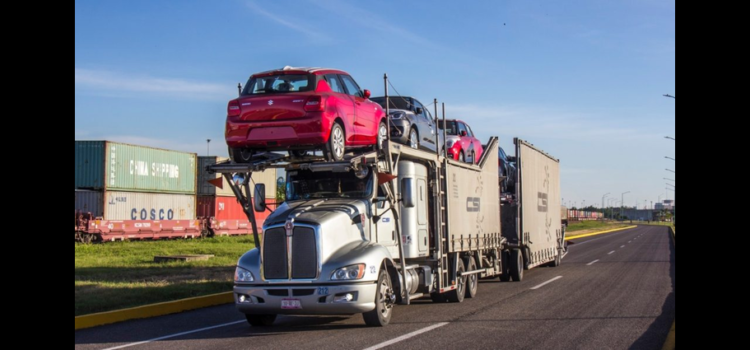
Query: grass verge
x=119, y=275
x=581, y=227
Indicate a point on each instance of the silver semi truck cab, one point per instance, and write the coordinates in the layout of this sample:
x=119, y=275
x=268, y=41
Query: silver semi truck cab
x=322, y=251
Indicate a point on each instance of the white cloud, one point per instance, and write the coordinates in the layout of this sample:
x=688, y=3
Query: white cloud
x=108, y=81
x=309, y=32
x=534, y=122
x=370, y=20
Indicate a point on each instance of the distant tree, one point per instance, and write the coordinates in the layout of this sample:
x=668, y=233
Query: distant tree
x=280, y=192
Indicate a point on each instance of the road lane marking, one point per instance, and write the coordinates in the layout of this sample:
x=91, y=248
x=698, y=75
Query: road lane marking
x=612, y=252
x=592, y=263
x=546, y=283
x=622, y=246
x=406, y=336
x=175, y=335
x=629, y=241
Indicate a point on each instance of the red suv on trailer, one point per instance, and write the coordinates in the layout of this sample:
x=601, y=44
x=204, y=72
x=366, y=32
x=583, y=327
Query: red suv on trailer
x=300, y=109
x=460, y=141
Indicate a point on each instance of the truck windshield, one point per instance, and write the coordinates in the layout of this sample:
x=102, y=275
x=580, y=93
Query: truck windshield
x=305, y=184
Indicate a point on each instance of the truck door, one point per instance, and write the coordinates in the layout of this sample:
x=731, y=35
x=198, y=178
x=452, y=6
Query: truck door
x=384, y=231
x=422, y=235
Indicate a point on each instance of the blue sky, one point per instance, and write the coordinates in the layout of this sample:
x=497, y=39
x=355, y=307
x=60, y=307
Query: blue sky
x=581, y=79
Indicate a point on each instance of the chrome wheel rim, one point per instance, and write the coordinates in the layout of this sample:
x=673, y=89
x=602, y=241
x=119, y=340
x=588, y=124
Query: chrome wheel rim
x=461, y=282
x=414, y=139
x=384, y=300
x=338, y=143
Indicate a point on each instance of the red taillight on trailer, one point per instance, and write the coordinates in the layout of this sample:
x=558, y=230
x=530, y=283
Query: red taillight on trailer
x=315, y=104
x=233, y=110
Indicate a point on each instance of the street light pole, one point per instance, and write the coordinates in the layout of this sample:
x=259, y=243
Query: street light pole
x=670, y=170
x=670, y=138
x=208, y=148
x=668, y=95
x=604, y=196
x=670, y=158
x=622, y=202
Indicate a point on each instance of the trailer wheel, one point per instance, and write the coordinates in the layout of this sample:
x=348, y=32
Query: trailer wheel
x=472, y=281
x=516, y=265
x=384, y=299
x=505, y=277
x=558, y=259
x=457, y=295
x=261, y=320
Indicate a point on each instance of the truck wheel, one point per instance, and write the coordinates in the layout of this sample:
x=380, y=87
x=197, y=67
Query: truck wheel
x=261, y=320
x=472, y=281
x=381, y=315
x=516, y=265
x=505, y=277
x=457, y=295
x=337, y=143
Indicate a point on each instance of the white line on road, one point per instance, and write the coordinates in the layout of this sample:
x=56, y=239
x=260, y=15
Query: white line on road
x=622, y=246
x=612, y=252
x=175, y=335
x=592, y=263
x=629, y=241
x=406, y=336
x=546, y=283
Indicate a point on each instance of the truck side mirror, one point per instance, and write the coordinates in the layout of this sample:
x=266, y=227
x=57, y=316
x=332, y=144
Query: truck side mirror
x=407, y=192
x=259, y=200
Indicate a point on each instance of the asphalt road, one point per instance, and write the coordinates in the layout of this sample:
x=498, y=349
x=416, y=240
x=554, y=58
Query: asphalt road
x=614, y=291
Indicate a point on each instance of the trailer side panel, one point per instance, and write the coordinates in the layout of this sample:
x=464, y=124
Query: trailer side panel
x=540, y=223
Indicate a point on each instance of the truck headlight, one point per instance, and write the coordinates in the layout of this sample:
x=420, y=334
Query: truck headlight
x=242, y=275
x=352, y=272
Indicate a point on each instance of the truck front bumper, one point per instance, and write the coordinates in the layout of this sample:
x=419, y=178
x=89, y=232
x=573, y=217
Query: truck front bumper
x=321, y=299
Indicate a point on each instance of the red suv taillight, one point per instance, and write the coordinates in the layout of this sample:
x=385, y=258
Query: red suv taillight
x=233, y=110
x=315, y=104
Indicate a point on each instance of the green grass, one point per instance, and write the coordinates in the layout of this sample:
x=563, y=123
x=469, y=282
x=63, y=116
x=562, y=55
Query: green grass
x=592, y=225
x=118, y=275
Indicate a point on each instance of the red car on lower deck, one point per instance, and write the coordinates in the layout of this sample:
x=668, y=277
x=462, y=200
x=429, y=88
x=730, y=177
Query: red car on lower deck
x=301, y=109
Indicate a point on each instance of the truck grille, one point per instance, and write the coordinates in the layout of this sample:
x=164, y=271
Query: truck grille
x=274, y=254
x=304, y=254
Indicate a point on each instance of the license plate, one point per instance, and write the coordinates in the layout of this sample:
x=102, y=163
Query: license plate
x=291, y=304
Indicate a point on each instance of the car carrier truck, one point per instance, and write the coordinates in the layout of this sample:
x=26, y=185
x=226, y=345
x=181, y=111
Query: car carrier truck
x=389, y=227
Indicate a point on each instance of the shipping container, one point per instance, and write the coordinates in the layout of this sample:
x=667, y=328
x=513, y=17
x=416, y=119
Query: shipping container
x=267, y=177
x=228, y=211
x=112, y=166
x=115, y=205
